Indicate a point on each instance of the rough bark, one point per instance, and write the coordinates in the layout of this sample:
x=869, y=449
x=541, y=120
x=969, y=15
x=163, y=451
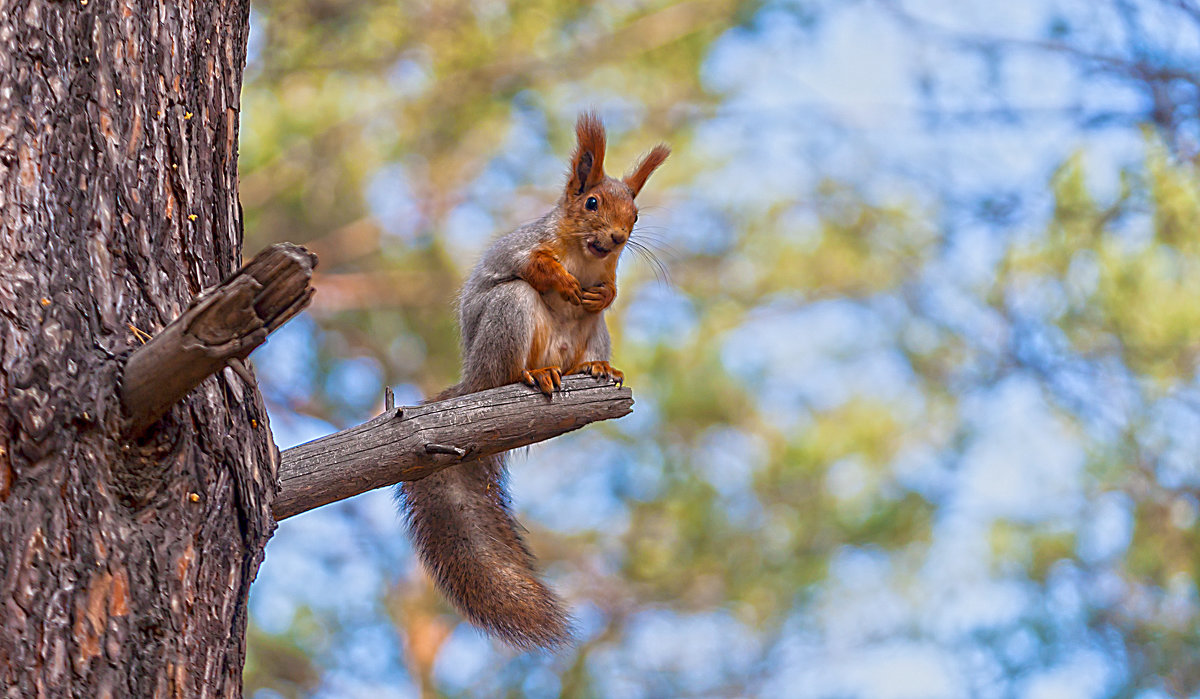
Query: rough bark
x=413, y=442
x=124, y=567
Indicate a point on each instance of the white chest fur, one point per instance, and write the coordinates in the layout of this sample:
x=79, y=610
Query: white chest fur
x=566, y=329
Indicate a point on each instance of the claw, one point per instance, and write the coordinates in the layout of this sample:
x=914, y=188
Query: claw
x=598, y=297
x=600, y=370
x=573, y=293
x=547, y=380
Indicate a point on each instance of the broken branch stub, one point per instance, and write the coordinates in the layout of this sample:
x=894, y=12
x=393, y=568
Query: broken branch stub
x=221, y=326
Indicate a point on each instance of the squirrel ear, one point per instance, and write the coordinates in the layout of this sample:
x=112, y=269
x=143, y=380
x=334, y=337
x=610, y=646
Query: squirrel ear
x=637, y=179
x=587, y=163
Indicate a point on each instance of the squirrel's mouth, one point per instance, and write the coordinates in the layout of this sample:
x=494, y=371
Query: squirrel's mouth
x=597, y=249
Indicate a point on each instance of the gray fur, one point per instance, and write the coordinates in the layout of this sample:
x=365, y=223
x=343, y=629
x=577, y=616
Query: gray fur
x=599, y=347
x=459, y=518
x=501, y=263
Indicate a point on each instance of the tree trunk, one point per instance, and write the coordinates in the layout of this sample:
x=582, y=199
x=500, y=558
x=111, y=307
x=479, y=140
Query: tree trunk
x=124, y=565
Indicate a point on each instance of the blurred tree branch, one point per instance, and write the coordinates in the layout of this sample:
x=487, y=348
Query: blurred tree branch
x=1164, y=76
x=501, y=75
x=383, y=289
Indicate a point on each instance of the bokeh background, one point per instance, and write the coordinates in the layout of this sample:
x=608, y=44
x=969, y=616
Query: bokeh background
x=914, y=359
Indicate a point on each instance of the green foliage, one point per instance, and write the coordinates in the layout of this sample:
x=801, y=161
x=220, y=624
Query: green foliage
x=280, y=663
x=738, y=489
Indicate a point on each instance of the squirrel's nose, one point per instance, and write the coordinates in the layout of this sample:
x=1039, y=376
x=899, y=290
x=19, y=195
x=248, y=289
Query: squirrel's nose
x=618, y=239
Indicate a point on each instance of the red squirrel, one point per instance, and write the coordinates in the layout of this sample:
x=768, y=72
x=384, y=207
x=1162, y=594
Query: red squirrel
x=531, y=311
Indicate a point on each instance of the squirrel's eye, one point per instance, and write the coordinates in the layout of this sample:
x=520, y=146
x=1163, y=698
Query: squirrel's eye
x=592, y=203
x=635, y=217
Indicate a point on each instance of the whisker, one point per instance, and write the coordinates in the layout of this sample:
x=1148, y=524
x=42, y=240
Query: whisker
x=655, y=242
x=661, y=273
x=651, y=236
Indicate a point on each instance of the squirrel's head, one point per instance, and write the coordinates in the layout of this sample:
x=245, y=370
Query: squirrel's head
x=598, y=210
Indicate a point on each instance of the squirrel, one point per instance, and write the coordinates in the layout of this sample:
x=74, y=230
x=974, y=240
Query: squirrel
x=532, y=310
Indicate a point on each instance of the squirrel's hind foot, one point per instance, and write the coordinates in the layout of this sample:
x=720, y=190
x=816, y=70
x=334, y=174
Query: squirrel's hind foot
x=547, y=380
x=600, y=370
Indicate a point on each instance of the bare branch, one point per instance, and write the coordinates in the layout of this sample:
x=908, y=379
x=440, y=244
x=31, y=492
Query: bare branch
x=219, y=328
x=407, y=444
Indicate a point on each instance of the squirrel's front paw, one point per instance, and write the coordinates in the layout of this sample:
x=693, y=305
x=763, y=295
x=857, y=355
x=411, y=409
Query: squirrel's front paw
x=570, y=291
x=546, y=380
x=600, y=370
x=598, y=297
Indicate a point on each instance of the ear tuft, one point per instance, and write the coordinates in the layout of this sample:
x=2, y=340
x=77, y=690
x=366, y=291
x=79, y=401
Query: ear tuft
x=637, y=179
x=587, y=163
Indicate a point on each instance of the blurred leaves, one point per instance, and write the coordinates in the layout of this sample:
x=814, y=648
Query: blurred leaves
x=278, y=662
x=868, y=414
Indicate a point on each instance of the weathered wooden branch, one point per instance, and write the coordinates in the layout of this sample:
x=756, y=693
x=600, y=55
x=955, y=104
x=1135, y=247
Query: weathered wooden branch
x=220, y=327
x=409, y=443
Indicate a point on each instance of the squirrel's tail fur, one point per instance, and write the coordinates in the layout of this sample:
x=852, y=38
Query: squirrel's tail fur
x=464, y=532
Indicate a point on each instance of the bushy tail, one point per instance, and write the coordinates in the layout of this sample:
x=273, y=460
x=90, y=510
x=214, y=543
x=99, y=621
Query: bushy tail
x=463, y=529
